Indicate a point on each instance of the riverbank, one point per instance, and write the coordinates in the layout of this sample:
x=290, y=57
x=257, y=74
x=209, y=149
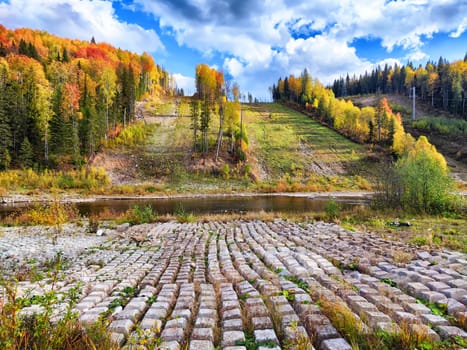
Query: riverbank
x=12, y=199
x=77, y=198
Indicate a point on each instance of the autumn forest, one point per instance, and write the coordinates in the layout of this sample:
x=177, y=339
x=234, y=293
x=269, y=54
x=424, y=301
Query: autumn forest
x=61, y=98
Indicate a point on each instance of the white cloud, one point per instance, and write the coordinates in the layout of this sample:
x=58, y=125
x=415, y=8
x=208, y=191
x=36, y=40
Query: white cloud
x=416, y=55
x=461, y=29
x=80, y=19
x=256, y=41
x=233, y=66
x=258, y=46
x=185, y=83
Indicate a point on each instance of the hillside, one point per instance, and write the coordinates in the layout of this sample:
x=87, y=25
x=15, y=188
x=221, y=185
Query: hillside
x=62, y=98
x=287, y=150
x=288, y=143
x=453, y=147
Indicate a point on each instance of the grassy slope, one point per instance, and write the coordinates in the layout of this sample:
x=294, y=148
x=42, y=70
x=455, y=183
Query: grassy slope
x=165, y=159
x=285, y=146
x=288, y=142
x=453, y=147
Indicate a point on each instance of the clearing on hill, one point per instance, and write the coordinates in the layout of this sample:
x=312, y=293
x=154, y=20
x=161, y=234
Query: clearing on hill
x=284, y=142
x=284, y=145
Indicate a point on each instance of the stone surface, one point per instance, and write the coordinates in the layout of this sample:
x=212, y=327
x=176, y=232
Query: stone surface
x=121, y=326
x=201, y=345
x=203, y=334
x=335, y=344
x=261, y=323
x=447, y=332
x=231, y=338
x=262, y=335
x=434, y=320
x=206, y=280
x=148, y=323
x=324, y=332
x=170, y=345
x=235, y=324
x=173, y=334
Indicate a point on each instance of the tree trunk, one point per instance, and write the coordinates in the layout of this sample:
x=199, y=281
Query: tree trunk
x=219, y=136
x=106, y=121
x=46, y=146
x=194, y=138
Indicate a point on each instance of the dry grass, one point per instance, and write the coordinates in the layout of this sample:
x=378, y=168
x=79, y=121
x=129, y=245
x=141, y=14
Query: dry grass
x=52, y=214
x=443, y=231
x=404, y=336
x=402, y=257
x=92, y=179
x=345, y=321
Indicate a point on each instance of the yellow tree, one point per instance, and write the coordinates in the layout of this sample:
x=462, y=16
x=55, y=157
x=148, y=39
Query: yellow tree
x=209, y=86
x=409, y=77
x=107, y=88
x=422, y=78
x=425, y=178
x=295, y=86
x=367, y=117
x=307, y=86
x=432, y=82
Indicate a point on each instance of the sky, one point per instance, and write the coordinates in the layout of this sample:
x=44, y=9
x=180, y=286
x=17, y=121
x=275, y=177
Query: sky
x=257, y=41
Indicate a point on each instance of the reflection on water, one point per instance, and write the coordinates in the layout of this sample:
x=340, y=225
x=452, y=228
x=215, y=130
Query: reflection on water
x=208, y=205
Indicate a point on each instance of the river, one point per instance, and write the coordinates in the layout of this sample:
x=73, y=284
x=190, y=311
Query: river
x=208, y=204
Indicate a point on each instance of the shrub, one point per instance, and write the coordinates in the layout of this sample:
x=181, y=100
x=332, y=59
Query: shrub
x=141, y=215
x=426, y=183
x=131, y=136
x=54, y=213
x=182, y=215
x=247, y=169
x=445, y=126
x=419, y=181
x=332, y=209
x=225, y=171
x=88, y=179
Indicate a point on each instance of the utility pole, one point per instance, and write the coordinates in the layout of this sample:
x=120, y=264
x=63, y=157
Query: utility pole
x=413, y=104
x=241, y=124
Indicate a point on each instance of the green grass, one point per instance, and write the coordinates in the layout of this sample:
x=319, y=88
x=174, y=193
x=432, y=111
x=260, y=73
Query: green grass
x=445, y=126
x=447, y=231
x=293, y=147
x=282, y=135
x=132, y=136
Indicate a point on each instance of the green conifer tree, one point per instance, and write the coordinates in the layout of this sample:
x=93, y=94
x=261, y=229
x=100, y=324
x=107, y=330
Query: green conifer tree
x=26, y=155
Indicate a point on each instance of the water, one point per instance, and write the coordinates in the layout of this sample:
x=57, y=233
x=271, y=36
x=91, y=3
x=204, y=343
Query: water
x=208, y=205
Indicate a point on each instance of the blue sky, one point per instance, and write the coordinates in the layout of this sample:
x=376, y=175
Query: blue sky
x=257, y=41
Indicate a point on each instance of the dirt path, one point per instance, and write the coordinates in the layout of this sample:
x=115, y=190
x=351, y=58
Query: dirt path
x=148, y=162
